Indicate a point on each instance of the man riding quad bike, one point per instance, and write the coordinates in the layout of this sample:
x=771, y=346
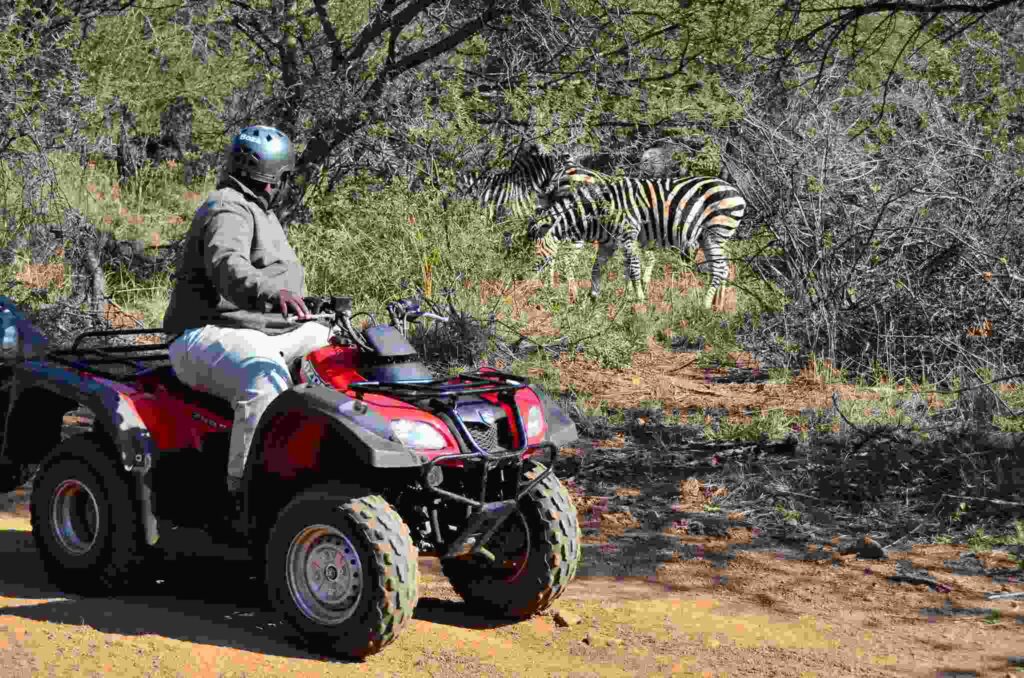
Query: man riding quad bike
x=236, y=282
x=349, y=459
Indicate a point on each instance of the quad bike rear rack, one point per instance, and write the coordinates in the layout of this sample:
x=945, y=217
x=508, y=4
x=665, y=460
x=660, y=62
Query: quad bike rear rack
x=133, y=359
x=483, y=517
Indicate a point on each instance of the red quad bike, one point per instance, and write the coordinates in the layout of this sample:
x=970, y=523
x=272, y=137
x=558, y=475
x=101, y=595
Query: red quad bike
x=366, y=463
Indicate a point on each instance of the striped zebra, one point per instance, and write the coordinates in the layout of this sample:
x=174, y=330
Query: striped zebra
x=513, y=192
x=516, y=193
x=635, y=213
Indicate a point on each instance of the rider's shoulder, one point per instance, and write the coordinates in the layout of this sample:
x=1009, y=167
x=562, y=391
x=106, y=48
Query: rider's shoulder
x=224, y=199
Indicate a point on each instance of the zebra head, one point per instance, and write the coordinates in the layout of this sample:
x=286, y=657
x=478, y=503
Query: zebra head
x=466, y=182
x=540, y=226
x=532, y=169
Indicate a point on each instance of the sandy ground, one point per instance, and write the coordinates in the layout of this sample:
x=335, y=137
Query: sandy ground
x=705, y=606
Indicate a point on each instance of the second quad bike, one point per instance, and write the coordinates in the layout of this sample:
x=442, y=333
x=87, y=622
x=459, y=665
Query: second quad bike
x=365, y=464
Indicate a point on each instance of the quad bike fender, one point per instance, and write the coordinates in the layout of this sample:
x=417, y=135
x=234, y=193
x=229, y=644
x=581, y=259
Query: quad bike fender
x=41, y=393
x=561, y=429
x=289, y=436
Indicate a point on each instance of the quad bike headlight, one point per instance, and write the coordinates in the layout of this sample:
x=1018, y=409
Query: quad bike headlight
x=534, y=422
x=418, y=434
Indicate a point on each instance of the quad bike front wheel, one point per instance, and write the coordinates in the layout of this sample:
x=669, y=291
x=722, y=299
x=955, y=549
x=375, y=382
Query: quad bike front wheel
x=85, y=521
x=537, y=552
x=343, y=571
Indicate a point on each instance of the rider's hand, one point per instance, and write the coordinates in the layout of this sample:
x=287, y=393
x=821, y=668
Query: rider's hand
x=293, y=302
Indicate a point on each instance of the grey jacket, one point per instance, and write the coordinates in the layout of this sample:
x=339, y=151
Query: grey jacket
x=235, y=261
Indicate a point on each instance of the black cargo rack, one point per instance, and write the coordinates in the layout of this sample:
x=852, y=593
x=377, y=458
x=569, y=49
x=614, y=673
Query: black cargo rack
x=118, y=361
x=475, y=383
x=438, y=391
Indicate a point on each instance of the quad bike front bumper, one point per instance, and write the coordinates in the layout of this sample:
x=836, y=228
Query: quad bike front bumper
x=484, y=518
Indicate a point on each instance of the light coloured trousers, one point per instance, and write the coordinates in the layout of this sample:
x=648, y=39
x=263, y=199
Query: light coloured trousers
x=245, y=367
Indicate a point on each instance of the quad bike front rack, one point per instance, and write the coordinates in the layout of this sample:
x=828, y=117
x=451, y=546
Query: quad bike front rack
x=441, y=396
x=483, y=517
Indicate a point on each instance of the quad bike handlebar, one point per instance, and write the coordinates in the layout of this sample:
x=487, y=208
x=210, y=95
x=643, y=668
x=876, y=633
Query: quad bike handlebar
x=339, y=312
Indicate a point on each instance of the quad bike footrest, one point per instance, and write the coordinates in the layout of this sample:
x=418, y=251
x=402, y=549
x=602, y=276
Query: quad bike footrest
x=483, y=523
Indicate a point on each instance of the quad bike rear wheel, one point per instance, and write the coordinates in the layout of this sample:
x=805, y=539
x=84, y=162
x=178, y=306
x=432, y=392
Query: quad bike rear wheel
x=343, y=571
x=85, y=521
x=537, y=552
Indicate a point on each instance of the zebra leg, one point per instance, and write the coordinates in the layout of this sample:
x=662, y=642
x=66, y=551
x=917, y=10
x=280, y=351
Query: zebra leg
x=632, y=264
x=543, y=264
x=545, y=250
x=712, y=246
x=553, y=259
x=604, y=253
x=649, y=268
x=570, y=267
x=544, y=261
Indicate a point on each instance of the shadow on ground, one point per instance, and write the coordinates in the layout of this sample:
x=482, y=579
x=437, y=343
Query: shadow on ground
x=209, y=595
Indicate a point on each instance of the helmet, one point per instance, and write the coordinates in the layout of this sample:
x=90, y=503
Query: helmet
x=264, y=154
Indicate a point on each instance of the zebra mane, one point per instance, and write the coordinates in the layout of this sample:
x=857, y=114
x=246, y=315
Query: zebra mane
x=571, y=176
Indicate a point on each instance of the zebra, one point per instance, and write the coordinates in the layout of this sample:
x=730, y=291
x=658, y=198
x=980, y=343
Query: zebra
x=517, y=191
x=513, y=192
x=634, y=213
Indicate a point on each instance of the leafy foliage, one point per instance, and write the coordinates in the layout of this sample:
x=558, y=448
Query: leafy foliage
x=878, y=145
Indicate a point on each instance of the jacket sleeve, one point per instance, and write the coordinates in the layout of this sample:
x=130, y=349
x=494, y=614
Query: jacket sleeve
x=227, y=246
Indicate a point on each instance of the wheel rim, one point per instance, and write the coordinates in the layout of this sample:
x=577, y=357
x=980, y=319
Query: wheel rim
x=325, y=574
x=74, y=517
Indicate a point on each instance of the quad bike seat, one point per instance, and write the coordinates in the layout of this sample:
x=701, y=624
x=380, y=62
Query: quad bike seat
x=398, y=360
x=388, y=342
x=165, y=375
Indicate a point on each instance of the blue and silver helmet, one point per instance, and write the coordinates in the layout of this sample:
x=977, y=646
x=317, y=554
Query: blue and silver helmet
x=261, y=153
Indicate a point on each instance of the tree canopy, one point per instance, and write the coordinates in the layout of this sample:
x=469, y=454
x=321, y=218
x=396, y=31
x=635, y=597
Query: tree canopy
x=878, y=143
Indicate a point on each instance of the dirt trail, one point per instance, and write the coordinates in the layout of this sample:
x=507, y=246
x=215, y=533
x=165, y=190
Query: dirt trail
x=671, y=602
x=702, y=607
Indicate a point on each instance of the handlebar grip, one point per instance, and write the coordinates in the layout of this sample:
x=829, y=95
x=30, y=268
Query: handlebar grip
x=313, y=316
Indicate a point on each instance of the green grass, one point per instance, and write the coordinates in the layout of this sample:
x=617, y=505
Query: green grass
x=1015, y=400
x=982, y=542
x=860, y=412
x=377, y=242
x=779, y=375
x=155, y=207
x=787, y=514
x=773, y=425
x=149, y=298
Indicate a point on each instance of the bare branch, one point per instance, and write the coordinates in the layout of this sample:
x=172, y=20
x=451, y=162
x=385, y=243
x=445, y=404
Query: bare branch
x=446, y=44
x=337, y=57
x=384, y=21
